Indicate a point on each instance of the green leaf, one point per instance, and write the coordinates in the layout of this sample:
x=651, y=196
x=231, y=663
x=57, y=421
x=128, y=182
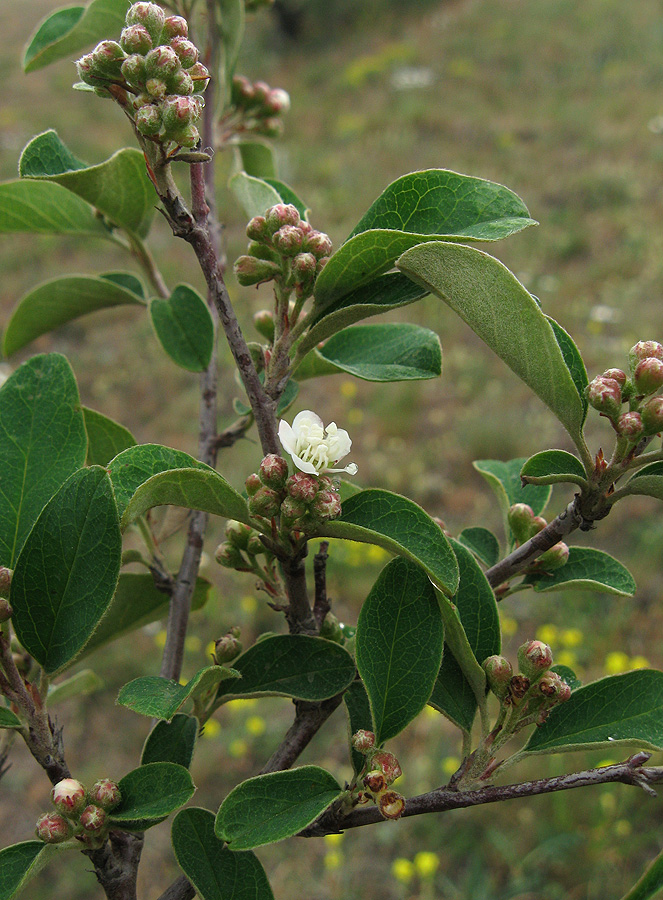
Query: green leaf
x=160, y=698
x=8, y=719
x=137, y=602
x=184, y=327
x=149, y=794
x=21, y=862
x=254, y=195
x=589, y=570
x=272, y=807
x=54, y=303
x=231, y=17
x=106, y=438
x=483, y=544
x=68, y=31
x=119, y=187
x=291, y=665
x=574, y=362
x=423, y=206
x=256, y=159
x=359, y=715
x=476, y=608
x=393, y=352
x=491, y=300
x=42, y=443
x=647, y=481
x=42, y=207
x=504, y=479
x=172, y=741
x=216, y=872
x=401, y=527
x=552, y=466
x=82, y=683
x=649, y=884
x=399, y=646
x=66, y=573
x=618, y=711
x=126, y=280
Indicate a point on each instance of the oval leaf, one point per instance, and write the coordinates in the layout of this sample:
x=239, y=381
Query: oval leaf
x=8, y=719
x=216, y=872
x=552, y=466
x=254, y=195
x=574, y=362
x=150, y=793
x=54, y=303
x=81, y=684
x=491, y=300
x=256, y=158
x=21, y=862
x=160, y=698
x=171, y=741
x=184, y=327
x=589, y=570
x=291, y=665
x=42, y=207
x=66, y=573
x=42, y=443
x=401, y=527
x=272, y=807
x=399, y=646
x=482, y=543
x=647, y=481
x=623, y=710
x=106, y=438
x=119, y=187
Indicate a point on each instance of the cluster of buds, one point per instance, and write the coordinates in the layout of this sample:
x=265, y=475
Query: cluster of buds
x=260, y=107
x=285, y=248
x=6, y=611
x=80, y=814
x=240, y=548
x=524, y=525
x=380, y=771
x=608, y=392
x=228, y=647
x=158, y=66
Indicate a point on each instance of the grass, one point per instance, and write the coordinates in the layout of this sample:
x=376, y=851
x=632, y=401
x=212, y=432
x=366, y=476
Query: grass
x=558, y=100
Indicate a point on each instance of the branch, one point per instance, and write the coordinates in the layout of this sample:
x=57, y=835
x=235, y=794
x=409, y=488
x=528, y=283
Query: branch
x=299, y=614
x=442, y=800
x=322, y=604
x=309, y=718
x=182, y=889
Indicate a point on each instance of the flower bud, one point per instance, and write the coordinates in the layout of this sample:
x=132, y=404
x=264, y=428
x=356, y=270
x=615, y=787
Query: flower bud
x=538, y=524
x=648, y=376
x=181, y=83
x=136, y=39
x=277, y=102
x=242, y=91
x=288, y=240
x=498, y=671
x=281, y=214
x=150, y=16
x=363, y=741
x=156, y=88
x=319, y=244
x=186, y=51
x=263, y=321
x=644, y=350
x=518, y=687
x=6, y=611
x=273, y=471
x=253, y=484
x=87, y=71
x=200, y=77
x=133, y=71
x=229, y=556
x=520, y=517
x=292, y=509
x=375, y=781
x=178, y=112
x=174, y=27
x=69, y=797
x=617, y=375
x=605, y=395
x=5, y=580
x=302, y=486
x=249, y=270
x=554, y=558
x=327, y=505
x=331, y=629
x=162, y=62
x=391, y=768
x=106, y=794
x=550, y=685
x=93, y=818
x=108, y=57
x=391, y=805
x=53, y=828
x=652, y=415
x=261, y=92
x=148, y=120
x=227, y=648
x=321, y=264
x=258, y=230
x=304, y=268
x=534, y=658
x=265, y=502
x=255, y=546
x=630, y=425
x=238, y=534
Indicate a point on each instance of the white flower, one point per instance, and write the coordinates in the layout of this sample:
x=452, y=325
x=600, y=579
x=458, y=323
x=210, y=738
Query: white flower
x=314, y=448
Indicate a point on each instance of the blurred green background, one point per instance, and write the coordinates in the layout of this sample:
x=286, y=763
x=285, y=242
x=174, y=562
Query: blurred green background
x=562, y=101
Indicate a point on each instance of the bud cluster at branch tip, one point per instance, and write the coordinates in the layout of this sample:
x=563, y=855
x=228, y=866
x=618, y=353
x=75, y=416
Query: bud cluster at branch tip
x=380, y=771
x=258, y=106
x=154, y=73
x=80, y=813
x=534, y=690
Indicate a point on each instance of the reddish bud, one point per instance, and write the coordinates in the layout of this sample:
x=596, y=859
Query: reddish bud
x=292, y=509
x=644, y=350
x=258, y=230
x=554, y=558
x=69, y=797
x=162, y=62
x=277, y=102
x=617, y=375
x=630, y=425
x=391, y=805
x=249, y=270
x=93, y=818
x=391, y=768
x=252, y=484
x=605, y=395
x=174, y=27
x=648, y=376
x=150, y=16
x=133, y=71
x=237, y=534
x=228, y=556
x=302, y=486
x=520, y=517
x=499, y=672
x=136, y=39
x=273, y=471
x=148, y=120
x=178, y=112
x=363, y=741
x=108, y=57
x=186, y=51
x=319, y=244
x=53, y=828
x=652, y=415
x=242, y=92
x=255, y=546
x=304, y=266
x=534, y=658
x=327, y=505
x=200, y=76
x=88, y=72
x=227, y=648
x=156, y=88
x=261, y=92
x=550, y=685
x=288, y=240
x=265, y=502
x=280, y=215
x=106, y=794
x=375, y=781
x=181, y=83
x=271, y=127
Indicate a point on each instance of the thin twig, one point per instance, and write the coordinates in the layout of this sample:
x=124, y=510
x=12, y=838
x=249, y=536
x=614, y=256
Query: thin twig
x=309, y=718
x=321, y=604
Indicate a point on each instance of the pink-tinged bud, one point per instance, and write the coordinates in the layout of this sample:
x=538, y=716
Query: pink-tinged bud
x=554, y=558
x=181, y=83
x=255, y=546
x=605, y=395
x=148, y=120
x=288, y=240
x=518, y=687
x=156, y=88
x=69, y=797
x=550, y=685
x=263, y=321
x=200, y=76
x=391, y=805
x=252, y=484
x=242, y=92
x=327, y=505
x=321, y=264
x=150, y=16
x=106, y=794
x=5, y=580
x=273, y=471
x=499, y=672
x=227, y=648
x=319, y=244
x=648, y=376
x=302, y=486
x=133, y=71
x=237, y=534
x=261, y=92
x=534, y=658
x=520, y=518
x=136, y=39
x=277, y=102
x=293, y=510
x=93, y=818
x=249, y=270
x=228, y=556
x=265, y=502
x=6, y=611
x=564, y=692
x=87, y=71
x=281, y=214
x=162, y=62
x=617, y=375
x=178, y=112
x=630, y=425
x=375, y=781
x=363, y=741
x=644, y=350
x=304, y=267
x=258, y=230
x=53, y=828
x=538, y=524
x=391, y=768
x=108, y=57
x=187, y=52
x=174, y=27
x=652, y=415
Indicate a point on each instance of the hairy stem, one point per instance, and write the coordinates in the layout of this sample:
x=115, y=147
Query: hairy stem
x=309, y=718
